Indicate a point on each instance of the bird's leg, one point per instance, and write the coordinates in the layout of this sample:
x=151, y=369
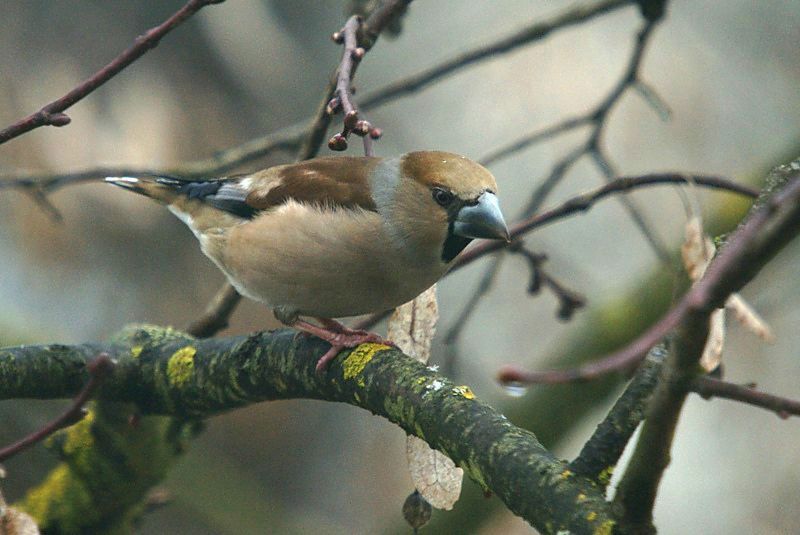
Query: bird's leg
x=338, y=336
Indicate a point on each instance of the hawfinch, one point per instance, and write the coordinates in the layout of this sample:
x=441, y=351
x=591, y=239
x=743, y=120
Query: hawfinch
x=338, y=236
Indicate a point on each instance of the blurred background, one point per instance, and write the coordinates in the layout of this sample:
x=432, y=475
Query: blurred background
x=730, y=73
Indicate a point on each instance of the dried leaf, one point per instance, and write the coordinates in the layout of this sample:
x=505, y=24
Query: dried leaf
x=749, y=318
x=413, y=325
x=15, y=522
x=435, y=476
x=712, y=352
x=697, y=251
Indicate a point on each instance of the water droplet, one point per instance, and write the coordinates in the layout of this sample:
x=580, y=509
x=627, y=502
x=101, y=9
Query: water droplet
x=515, y=390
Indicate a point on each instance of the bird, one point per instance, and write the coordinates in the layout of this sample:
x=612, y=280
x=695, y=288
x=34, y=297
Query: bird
x=333, y=237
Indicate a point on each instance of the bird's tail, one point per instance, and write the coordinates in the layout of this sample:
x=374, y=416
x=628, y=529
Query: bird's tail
x=163, y=189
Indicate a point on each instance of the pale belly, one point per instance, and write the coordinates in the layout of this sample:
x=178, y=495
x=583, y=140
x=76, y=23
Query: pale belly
x=316, y=272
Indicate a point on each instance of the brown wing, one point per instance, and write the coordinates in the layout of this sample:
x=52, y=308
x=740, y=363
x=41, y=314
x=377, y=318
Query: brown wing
x=335, y=182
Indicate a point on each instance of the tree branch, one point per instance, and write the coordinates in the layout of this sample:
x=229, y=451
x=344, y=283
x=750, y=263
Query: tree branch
x=165, y=372
x=531, y=33
x=602, y=451
x=53, y=113
x=772, y=224
x=767, y=230
x=98, y=369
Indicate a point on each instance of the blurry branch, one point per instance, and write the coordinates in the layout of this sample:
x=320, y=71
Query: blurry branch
x=205, y=168
x=53, y=113
x=596, y=118
x=602, y=451
x=708, y=387
x=531, y=33
x=98, y=369
x=164, y=372
x=217, y=313
x=309, y=139
x=582, y=203
x=769, y=227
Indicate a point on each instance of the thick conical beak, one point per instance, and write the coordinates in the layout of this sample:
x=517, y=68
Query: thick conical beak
x=482, y=220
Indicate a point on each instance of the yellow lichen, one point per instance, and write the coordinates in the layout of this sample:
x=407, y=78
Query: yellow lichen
x=463, y=391
x=358, y=359
x=591, y=516
x=606, y=528
x=136, y=351
x=605, y=475
x=565, y=474
x=581, y=498
x=180, y=366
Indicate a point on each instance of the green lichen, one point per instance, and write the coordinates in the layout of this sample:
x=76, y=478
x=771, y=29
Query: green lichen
x=180, y=366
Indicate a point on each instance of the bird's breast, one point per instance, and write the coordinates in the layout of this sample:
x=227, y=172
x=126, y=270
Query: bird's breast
x=323, y=262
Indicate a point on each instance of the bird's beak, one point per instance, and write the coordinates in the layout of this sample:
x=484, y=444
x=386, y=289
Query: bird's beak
x=482, y=220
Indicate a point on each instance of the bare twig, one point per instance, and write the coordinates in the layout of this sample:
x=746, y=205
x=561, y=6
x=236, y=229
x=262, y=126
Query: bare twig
x=53, y=113
x=747, y=250
x=708, y=387
x=596, y=118
x=585, y=201
x=368, y=34
x=98, y=369
x=217, y=313
x=569, y=300
x=220, y=163
x=307, y=140
x=531, y=33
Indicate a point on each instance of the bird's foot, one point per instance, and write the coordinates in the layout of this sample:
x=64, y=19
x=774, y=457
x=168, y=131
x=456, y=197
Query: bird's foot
x=339, y=337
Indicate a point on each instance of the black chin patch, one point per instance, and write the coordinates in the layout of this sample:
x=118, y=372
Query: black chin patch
x=453, y=245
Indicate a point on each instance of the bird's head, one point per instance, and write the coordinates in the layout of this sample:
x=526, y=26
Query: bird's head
x=438, y=202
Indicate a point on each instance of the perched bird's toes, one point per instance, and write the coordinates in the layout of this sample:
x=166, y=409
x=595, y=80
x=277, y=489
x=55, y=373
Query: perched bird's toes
x=329, y=355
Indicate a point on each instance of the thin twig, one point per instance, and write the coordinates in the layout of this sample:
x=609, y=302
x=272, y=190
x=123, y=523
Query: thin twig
x=569, y=300
x=597, y=118
x=585, y=201
x=53, y=113
x=217, y=313
x=708, y=387
x=531, y=33
x=746, y=251
x=220, y=163
x=307, y=139
x=98, y=370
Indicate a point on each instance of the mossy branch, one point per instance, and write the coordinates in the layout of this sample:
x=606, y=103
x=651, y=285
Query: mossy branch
x=168, y=373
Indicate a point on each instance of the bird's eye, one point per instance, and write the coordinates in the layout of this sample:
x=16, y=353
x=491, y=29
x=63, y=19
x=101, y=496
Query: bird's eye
x=442, y=196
